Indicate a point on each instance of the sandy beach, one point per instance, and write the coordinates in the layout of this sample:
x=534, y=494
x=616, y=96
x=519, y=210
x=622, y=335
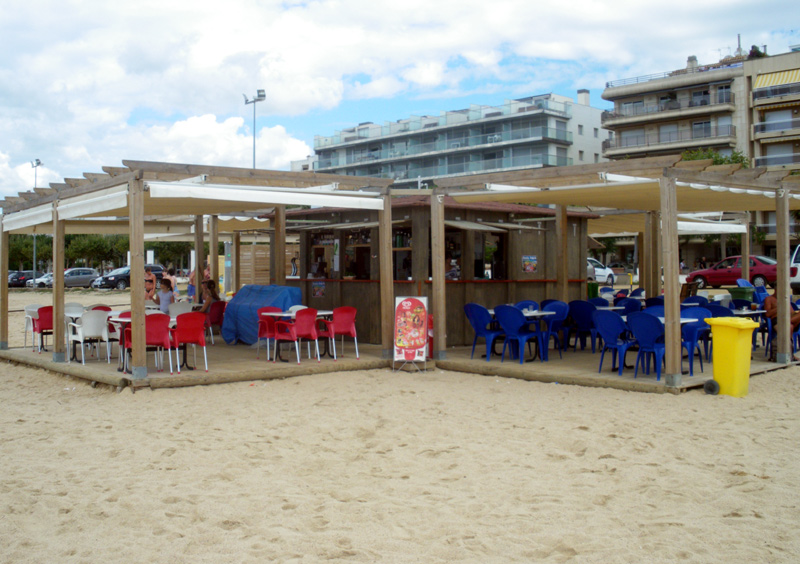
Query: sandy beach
x=371, y=466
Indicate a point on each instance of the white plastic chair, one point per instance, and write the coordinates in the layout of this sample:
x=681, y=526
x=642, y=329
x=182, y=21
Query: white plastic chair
x=177, y=308
x=295, y=308
x=31, y=313
x=92, y=325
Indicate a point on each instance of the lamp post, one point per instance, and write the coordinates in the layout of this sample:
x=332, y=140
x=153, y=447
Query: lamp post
x=35, y=164
x=259, y=97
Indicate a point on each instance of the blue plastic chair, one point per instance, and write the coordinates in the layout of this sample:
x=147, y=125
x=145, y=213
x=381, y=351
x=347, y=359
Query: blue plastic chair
x=742, y=283
x=637, y=292
x=695, y=332
x=719, y=311
x=654, y=301
x=581, y=313
x=699, y=300
x=739, y=303
x=554, y=324
x=527, y=304
x=649, y=334
x=481, y=321
x=606, y=289
x=631, y=306
x=614, y=333
x=622, y=292
x=760, y=294
x=602, y=302
x=545, y=302
x=516, y=330
x=654, y=310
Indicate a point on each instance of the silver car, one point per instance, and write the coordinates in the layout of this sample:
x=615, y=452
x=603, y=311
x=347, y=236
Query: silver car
x=80, y=277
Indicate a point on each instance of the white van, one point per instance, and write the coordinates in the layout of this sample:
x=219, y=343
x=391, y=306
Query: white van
x=602, y=273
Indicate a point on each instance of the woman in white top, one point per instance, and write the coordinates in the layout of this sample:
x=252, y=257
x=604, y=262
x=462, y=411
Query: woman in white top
x=164, y=296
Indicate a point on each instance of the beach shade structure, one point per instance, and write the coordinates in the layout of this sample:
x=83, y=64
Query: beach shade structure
x=598, y=302
x=156, y=334
x=694, y=332
x=89, y=327
x=649, y=334
x=553, y=325
x=215, y=317
x=344, y=324
x=528, y=305
x=190, y=329
x=581, y=313
x=266, y=327
x=31, y=313
x=699, y=300
x=614, y=333
x=481, y=321
x=43, y=325
x=303, y=327
x=655, y=311
x=515, y=328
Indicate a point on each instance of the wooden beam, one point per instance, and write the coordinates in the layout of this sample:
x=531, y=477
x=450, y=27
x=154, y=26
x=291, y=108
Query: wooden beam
x=386, y=278
x=45, y=191
x=115, y=170
x=763, y=182
x=782, y=290
x=58, y=287
x=672, y=313
x=438, y=265
x=199, y=256
x=278, y=250
x=562, y=254
x=136, y=242
x=68, y=191
x=3, y=287
x=213, y=247
x=96, y=176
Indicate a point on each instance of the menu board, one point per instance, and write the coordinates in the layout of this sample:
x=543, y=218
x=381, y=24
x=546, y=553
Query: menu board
x=411, y=328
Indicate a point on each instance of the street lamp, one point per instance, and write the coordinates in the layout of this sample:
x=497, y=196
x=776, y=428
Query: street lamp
x=35, y=164
x=259, y=97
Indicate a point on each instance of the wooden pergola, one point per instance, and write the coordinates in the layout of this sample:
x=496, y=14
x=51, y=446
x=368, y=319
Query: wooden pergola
x=656, y=189
x=150, y=197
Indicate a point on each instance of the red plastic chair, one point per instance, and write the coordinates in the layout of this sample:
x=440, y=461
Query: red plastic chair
x=215, y=317
x=44, y=324
x=156, y=330
x=190, y=329
x=266, y=326
x=344, y=324
x=304, y=327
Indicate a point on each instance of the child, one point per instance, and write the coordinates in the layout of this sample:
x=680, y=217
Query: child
x=164, y=296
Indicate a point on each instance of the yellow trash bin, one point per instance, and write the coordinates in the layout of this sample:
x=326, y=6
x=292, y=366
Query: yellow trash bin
x=732, y=348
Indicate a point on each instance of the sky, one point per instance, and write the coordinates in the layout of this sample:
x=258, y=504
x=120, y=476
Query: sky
x=86, y=84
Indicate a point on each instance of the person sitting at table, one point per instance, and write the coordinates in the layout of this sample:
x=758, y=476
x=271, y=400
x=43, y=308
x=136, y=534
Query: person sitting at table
x=165, y=295
x=770, y=306
x=210, y=295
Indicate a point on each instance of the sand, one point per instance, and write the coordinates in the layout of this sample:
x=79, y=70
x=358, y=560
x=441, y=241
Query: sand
x=372, y=466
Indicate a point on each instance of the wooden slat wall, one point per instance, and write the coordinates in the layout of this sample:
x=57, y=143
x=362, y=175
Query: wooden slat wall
x=254, y=267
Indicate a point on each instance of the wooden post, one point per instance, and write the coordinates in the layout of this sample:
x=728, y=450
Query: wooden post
x=213, y=247
x=236, y=262
x=278, y=250
x=3, y=287
x=386, y=276
x=647, y=258
x=655, y=257
x=782, y=290
x=672, y=314
x=58, y=287
x=136, y=228
x=420, y=235
x=562, y=258
x=199, y=257
x=746, y=246
x=438, y=267
x=638, y=260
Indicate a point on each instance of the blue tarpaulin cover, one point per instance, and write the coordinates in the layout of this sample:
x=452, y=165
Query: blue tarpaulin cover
x=241, y=317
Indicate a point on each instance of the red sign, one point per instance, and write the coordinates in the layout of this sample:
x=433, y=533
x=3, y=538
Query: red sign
x=410, y=328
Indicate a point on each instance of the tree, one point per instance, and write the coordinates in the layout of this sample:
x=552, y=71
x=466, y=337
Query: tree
x=736, y=157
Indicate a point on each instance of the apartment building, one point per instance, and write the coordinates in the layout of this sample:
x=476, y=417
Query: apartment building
x=747, y=104
x=537, y=131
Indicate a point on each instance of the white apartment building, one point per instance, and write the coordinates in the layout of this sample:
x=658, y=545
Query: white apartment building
x=537, y=131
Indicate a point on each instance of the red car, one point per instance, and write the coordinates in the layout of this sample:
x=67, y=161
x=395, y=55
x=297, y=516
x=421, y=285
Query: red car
x=763, y=271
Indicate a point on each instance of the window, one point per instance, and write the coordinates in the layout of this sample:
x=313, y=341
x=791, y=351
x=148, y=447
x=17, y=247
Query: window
x=596, y=158
x=701, y=129
x=632, y=138
x=724, y=94
x=700, y=98
x=580, y=130
x=668, y=133
x=596, y=133
x=580, y=155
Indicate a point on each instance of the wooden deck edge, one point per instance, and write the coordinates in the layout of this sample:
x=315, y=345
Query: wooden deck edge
x=73, y=369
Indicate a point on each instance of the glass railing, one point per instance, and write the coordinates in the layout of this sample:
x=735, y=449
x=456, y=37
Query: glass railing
x=775, y=91
x=784, y=125
x=671, y=137
x=776, y=160
x=669, y=74
x=414, y=123
x=672, y=105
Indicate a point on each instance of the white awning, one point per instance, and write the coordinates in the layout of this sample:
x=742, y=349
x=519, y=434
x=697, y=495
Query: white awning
x=29, y=217
x=98, y=202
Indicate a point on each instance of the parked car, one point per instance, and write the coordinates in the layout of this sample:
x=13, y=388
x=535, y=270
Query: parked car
x=602, y=273
x=763, y=271
x=80, y=277
x=20, y=278
x=45, y=281
x=121, y=277
x=794, y=263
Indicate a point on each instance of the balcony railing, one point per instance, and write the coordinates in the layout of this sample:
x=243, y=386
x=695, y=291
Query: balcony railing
x=769, y=126
x=669, y=74
x=672, y=105
x=466, y=116
x=648, y=140
x=777, y=160
x=775, y=91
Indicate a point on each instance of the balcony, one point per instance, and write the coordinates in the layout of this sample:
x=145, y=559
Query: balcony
x=669, y=74
x=789, y=160
x=770, y=128
x=669, y=110
x=675, y=141
x=763, y=94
